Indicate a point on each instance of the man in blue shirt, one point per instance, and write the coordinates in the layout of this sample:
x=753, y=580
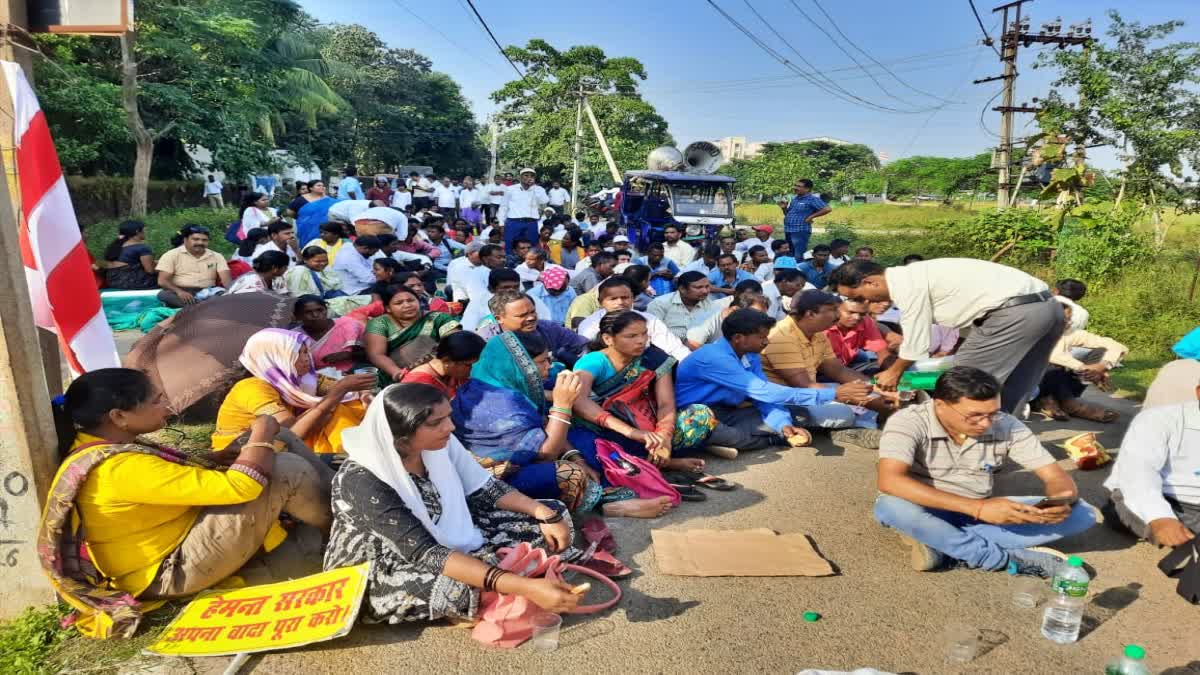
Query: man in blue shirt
x=798, y=215
x=817, y=269
x=349, y=187
x=662, y=269
x=727, y=275
x=728, y=373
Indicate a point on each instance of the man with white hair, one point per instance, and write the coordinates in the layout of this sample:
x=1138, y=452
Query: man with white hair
x=458, y=275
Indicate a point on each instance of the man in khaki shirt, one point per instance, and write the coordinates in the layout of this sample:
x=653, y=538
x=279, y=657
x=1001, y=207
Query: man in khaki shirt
x=936, y=462
x=190, y=268
x=800, y=355
x=1013, y=323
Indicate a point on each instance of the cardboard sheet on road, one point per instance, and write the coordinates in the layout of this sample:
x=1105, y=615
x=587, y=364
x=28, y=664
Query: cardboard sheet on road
x=760, y=552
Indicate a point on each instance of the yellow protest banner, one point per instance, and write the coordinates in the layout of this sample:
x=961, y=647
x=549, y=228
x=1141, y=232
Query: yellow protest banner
x=262, y=618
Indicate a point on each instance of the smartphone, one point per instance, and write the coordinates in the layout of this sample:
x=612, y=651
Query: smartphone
x=1051, y=502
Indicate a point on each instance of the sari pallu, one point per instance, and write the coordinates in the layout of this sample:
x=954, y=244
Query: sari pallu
x=500, y=416
x=101, y=611
x=415, y=345
x=629, y=396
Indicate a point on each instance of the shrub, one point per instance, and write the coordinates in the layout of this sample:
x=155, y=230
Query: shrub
x=1098, y=243
x=1021, y=235
x=163, y=225
x=27, y=641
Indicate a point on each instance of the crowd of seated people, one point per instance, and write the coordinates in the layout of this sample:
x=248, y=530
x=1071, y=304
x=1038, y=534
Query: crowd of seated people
x=472, y=386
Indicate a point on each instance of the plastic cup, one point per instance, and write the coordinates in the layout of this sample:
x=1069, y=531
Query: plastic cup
x=546, y=627
x=1027, y=591
x=962, y=642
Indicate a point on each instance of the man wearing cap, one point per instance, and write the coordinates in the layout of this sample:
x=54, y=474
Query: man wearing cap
x=1014, y=324
x=553, y=291
x=520, y=207
x=762, y=237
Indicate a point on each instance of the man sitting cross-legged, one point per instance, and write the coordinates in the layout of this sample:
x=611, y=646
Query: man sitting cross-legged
x=1155, y=485
x=936, y=462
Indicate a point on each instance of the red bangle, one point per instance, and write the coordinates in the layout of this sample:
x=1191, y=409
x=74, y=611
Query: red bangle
x=602, y=418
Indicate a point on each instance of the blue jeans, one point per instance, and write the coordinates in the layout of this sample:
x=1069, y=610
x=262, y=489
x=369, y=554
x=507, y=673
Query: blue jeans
x=976, y=543
x=519, y=228
x=799, y=242
x=833, y=415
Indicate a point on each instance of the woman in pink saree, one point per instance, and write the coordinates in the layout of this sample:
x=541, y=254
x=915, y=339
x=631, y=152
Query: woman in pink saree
x=337, y=343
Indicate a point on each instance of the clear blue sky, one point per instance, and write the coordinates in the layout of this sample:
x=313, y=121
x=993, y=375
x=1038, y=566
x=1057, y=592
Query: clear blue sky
x=709, y=80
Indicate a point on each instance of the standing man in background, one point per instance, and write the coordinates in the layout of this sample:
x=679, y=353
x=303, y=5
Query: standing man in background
x=799, y=213
x=212, y=192
x=350, y=188
x=493, y=193
x=520, y=208
x=559, y=197
x=469, y=200
x=447, y=199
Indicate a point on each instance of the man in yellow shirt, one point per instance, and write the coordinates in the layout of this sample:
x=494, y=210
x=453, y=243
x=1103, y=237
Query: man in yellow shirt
x=190, y=268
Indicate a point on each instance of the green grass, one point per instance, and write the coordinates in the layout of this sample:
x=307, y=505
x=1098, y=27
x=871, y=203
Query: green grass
x=163, y=225
x=864, y=216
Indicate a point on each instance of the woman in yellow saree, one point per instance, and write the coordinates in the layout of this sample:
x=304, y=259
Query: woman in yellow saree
x=284, y=385
x=129, y=523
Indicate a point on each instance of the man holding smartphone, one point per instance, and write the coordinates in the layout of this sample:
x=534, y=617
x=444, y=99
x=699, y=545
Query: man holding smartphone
x=936, y=462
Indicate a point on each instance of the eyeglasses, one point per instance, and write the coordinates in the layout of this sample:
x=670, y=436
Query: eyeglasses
x=977, y=418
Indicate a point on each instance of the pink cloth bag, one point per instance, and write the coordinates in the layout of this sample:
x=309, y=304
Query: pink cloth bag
x=506, y=620
x=648, y=482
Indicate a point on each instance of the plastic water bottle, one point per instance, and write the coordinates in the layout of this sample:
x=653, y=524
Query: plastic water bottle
x=1064, y=613
x=1130, y=663
x=1061, y=621
x=1071, y=578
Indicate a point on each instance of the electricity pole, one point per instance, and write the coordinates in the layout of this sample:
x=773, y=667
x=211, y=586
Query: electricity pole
x=494, y=127
x=1013, y=35
x=578, y=148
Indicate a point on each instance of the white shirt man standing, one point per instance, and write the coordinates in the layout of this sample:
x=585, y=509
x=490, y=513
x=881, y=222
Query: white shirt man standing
x=212, y=192
x=520, y=208
x=559, y=196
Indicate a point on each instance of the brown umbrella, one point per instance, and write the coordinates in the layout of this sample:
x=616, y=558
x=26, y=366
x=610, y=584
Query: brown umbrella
x=194, y=354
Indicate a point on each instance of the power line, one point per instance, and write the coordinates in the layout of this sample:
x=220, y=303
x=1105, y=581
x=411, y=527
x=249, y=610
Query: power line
x=848, y=97
x=445, y=37
x=987, y=37
x=817, y=72
x=937, y=55
x=872, y=58
x=843, y=50
x=921, y=129
x=471, y=4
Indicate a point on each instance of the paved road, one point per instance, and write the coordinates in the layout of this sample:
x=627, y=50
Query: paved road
x=876, y=612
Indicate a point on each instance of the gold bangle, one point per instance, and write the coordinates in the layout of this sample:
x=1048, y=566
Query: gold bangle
x=273, y=446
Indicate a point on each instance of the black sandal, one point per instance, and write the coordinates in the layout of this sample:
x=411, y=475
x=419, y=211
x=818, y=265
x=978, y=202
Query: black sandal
x=688, y=493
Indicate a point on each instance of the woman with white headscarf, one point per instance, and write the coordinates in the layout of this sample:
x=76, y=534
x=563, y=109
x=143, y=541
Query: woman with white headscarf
x=284, y=384
x=414, y=501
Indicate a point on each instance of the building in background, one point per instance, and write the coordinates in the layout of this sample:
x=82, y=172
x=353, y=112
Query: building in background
x=739, y=147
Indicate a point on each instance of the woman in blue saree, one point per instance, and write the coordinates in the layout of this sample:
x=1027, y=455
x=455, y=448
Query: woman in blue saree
x=503, y=417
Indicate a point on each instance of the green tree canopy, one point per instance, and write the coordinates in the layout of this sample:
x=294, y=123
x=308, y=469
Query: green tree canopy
x=833, y=167
x=539, y=112
x=941, y=176
x=1140, y=98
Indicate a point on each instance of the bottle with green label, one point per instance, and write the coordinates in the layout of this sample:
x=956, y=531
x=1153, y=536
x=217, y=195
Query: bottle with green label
x=1071, y=578
x=1131, y=662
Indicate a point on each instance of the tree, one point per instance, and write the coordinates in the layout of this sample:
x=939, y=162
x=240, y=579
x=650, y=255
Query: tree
x=942, y=176
x=400, y=111
x=539, y=112
x=833, y=167
x=1139, y=98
